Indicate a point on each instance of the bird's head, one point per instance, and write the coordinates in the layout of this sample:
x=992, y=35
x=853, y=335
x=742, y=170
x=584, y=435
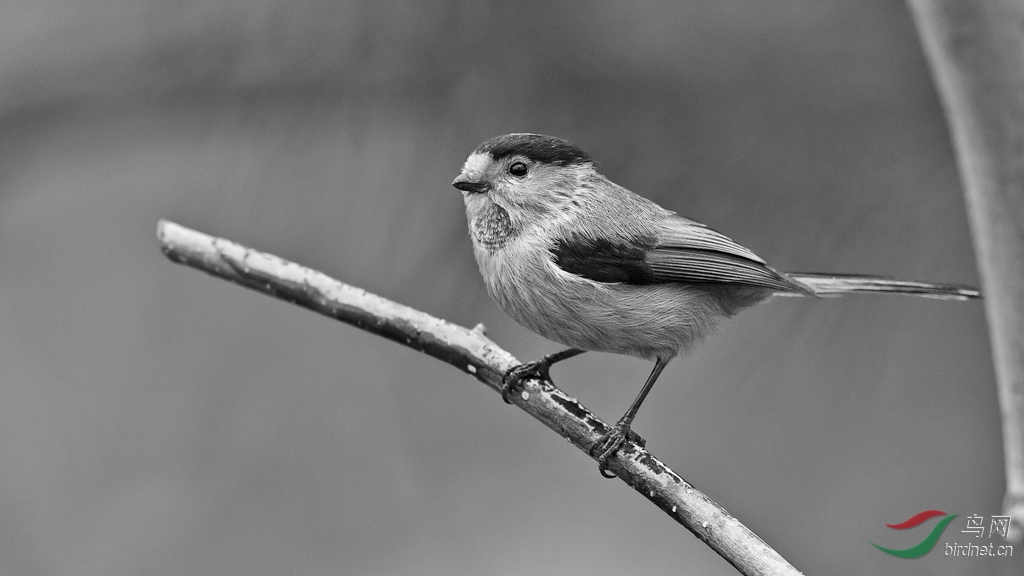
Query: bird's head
x=526, y=175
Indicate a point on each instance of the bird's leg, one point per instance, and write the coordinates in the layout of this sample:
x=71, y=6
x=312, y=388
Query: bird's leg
x=610, y=443
x=538, y=369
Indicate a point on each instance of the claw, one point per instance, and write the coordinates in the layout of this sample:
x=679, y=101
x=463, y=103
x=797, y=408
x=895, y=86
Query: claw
x=610, y=443
x=537, y=369
x=515, y=376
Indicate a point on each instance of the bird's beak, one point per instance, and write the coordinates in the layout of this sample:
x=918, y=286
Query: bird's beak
x=467, y=184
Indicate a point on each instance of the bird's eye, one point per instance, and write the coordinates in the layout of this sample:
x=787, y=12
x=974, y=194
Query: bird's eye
x=517, y=169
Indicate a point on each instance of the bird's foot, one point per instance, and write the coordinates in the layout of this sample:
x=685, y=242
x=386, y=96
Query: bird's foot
x=610, y=443
x=513, y=379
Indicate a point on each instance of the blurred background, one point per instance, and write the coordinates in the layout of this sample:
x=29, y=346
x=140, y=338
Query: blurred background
x=154, y=420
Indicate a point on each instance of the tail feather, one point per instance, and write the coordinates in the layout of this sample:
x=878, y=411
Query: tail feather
x=836, y=284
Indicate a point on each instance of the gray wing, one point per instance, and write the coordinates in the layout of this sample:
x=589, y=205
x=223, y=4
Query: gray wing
x=680, y=250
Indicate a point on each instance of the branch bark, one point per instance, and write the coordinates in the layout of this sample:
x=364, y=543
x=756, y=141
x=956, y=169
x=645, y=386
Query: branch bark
x=472, y=352
x=976, y=53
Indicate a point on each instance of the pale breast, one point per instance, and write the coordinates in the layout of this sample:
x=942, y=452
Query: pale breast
x=643, y=321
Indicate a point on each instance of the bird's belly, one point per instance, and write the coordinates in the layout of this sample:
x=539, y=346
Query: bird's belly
x=645, y=321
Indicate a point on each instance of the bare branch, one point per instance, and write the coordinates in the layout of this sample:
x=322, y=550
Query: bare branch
x=976, y=53
x=472, y=352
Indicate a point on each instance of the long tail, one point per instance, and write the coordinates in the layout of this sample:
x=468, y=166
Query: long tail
x=836, y=284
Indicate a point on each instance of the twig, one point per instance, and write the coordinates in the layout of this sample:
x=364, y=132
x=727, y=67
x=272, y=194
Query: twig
x=472, y=352
x=976, y=53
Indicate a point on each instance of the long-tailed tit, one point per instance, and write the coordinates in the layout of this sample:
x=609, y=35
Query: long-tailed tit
x=582, y=261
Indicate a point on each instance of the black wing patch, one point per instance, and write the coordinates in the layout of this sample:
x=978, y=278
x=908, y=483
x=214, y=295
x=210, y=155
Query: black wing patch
x=604, y=261
x=643, y=262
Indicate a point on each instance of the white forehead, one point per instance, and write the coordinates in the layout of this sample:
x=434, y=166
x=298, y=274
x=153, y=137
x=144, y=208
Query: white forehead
x=477, y=163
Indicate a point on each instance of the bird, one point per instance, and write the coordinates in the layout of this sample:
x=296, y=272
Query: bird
x=584, y=262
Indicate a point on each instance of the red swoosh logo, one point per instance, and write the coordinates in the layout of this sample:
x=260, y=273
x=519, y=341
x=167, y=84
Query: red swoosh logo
x=917, y=519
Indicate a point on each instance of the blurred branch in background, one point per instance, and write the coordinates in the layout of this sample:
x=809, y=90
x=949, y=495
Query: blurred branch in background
x=976, y=53
x=472, y=352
